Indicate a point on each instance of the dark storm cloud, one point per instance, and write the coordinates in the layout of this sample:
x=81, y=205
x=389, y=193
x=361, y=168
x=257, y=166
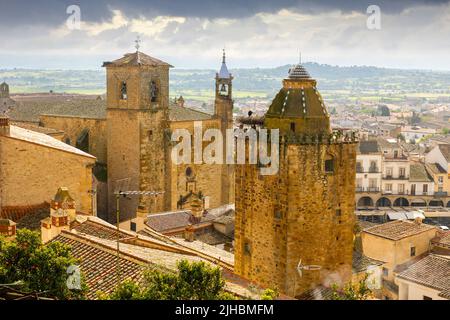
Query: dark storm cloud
x=53, y=12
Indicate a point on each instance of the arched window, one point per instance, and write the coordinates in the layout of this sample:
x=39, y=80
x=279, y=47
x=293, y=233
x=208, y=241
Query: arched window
x=153, y=91
x=123, y=91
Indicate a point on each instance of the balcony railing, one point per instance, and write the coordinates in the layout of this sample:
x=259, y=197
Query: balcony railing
x=386, y=177
x=439, y=194
x=367, y=189
x=371, y=170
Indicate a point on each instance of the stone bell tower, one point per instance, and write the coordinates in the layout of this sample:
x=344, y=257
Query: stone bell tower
x=223, y=106
x=304, y=214
x=4, y=90
x=223, y=110
x=137, y=129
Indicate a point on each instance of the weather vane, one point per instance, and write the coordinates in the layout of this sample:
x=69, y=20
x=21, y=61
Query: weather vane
x=138, y=43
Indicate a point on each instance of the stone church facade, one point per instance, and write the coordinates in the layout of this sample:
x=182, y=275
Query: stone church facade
x=294, y=230
x=132, y=141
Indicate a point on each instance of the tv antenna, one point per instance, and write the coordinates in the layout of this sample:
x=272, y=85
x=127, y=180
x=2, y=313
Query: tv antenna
x=122, y=189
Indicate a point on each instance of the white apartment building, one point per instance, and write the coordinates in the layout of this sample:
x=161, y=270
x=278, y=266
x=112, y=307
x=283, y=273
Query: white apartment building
x=396, y=169
x=415, y=133
x=368, y=167
x=387, y=177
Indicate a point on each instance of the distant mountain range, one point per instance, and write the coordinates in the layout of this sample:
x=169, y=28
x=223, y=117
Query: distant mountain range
x=265, y=80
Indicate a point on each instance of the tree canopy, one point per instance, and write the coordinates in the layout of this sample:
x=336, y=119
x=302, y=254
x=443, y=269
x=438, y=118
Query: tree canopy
x=193, y=281
x=41, y=269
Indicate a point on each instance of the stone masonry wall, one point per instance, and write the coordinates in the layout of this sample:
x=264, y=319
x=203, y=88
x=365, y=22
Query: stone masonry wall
x=74, y=126
x=31, y=174
x=302, y=214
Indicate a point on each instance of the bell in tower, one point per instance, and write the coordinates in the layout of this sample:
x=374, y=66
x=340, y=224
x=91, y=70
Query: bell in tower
x=223, y=89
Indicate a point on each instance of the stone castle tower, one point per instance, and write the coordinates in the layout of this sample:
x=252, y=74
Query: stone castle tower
x=304, y=213
x=137, y=126
x=223, y=110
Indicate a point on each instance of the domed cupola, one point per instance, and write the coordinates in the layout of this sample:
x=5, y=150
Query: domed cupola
x=298, y=108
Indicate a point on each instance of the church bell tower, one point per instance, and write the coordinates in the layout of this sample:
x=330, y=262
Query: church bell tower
x=224, y=93
x=223, y=110
x=137, y=129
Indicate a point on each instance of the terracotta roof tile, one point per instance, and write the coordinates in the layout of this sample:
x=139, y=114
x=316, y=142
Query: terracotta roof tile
x=445, y=149
x=399, y=229
x=137, y=59
x=99, y=265
x=432, y=271
x=419, y=173
x=165, y=222
x=177, y=113
x=97, y=230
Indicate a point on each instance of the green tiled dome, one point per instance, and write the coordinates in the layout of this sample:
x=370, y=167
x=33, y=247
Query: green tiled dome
x=298, y=107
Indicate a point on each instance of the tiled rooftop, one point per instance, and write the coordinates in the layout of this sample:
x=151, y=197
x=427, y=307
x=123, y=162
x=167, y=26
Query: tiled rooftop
x=368, y=147
x=397, y=230
x=32, y=110
x=136, y=59
x=361, y=263
x=97, y=230
x=165, y=222
x=419, y=173
x=177, y=113
x=433, y=271
x=442, y=239
x=44, y=140
x=445, y=149
x=99, y=264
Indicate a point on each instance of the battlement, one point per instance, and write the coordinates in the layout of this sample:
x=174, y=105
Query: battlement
x=336, y=137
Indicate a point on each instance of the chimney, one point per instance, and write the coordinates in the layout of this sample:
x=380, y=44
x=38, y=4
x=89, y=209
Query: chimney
x=4, y=126
x=8, y=228
x=197, y=208
x=64, y=201
x=52, y=226
x=62, y=212
x=418, y=220
x=189, y=233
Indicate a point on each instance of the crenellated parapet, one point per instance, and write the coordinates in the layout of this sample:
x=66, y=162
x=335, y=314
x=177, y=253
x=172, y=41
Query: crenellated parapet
x=336, y=137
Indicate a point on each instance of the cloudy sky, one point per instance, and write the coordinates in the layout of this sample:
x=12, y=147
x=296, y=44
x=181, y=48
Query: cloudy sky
x=192, y=33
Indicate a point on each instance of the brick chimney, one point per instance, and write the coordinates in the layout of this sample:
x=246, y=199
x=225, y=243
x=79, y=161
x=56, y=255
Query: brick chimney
x=62, y=212
x=7, y=228
x=64, y=201
x=4, y=126
x=52, y=226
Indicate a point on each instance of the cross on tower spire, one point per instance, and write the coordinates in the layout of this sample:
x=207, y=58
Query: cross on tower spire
x=138, y=43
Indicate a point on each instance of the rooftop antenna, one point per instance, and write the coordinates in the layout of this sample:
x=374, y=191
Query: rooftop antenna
x=138, y=43
x=300, y=58
x=122, y=189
